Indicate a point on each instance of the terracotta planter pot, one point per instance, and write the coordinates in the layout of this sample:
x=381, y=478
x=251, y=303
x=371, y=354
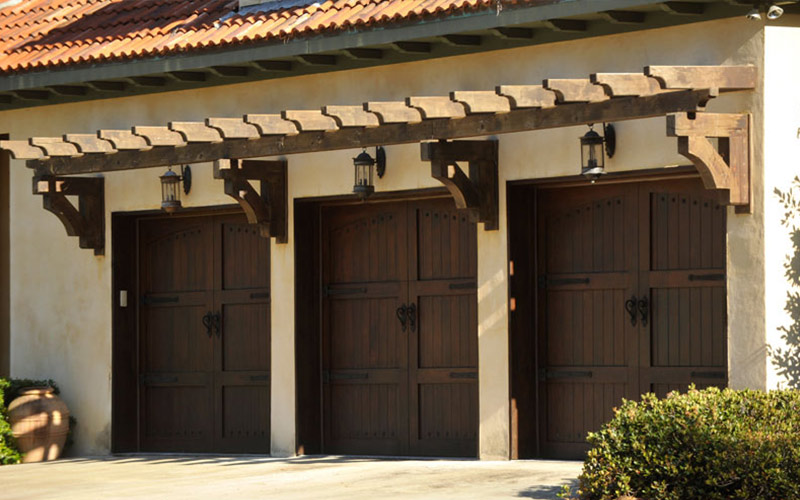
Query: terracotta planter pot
x=39, y=421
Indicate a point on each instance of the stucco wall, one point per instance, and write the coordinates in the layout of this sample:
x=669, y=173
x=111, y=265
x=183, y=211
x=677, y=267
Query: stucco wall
x=5, y=323
x=61, y=310
x=781, y=166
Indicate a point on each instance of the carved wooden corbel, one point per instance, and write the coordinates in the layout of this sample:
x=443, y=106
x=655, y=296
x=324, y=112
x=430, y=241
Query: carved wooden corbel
x=87, y=222
x=267, y=210
x=726, y=166
x=477, y=192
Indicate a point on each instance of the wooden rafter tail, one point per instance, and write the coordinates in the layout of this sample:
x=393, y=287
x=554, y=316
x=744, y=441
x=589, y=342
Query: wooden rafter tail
x=476, y=192
x=88, y=143
x=527, y=96
x=22, y=150
x=627, y=84
x=437, y=107
x=482, y=101
x=393, y=112
x=196, y=132
x=123, y=140
x=159, y=136
x=351, y=116
x=575, y=90
x=269, y=209
x=233, y=128
x=724, y=78
x=87, y=222
x=55, y=146
x=726, y=166
x=269, y=125
x=310, y=120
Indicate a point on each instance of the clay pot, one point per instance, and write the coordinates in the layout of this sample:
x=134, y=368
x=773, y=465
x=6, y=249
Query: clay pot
x=39, y=421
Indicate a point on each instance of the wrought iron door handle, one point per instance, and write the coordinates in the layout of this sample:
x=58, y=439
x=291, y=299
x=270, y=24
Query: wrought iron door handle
x=402, y=315
x=207, y=323
x=644, y=309
x=630, y=306
x=217, y=322
x=412, y=317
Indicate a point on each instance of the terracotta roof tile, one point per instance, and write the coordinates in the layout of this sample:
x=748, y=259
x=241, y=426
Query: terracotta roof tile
x=49, y=33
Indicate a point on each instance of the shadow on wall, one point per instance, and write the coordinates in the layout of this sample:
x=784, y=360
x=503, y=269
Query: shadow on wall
x=787, y=359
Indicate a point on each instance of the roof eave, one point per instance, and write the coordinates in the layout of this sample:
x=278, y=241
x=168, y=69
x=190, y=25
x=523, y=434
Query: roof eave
x=27, y=89
x=302, y=46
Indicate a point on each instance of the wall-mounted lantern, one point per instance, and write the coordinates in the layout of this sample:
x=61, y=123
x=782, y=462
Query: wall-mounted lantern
x=592, y=157
x=171, y=188
x=363, y=165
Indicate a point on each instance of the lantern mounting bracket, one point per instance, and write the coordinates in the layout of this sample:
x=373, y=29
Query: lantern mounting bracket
x=476, y=192
x=267, y=210
x=87, y=222
x=726, y=166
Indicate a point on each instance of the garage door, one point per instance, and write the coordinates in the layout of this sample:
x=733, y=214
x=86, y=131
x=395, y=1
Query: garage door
x=204, y=342
x=400, y=350
x=631, y=294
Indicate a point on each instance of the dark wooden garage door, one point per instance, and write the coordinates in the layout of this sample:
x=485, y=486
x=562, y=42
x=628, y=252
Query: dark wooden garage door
x=400, y=351
x=204, y=335
x=631, y=286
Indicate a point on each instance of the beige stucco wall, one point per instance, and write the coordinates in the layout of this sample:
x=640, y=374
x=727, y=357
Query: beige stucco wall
x=5, y=323
x=782, y=164
x=61, y=309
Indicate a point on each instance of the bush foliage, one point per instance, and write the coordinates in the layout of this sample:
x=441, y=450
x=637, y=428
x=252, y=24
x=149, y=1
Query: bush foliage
x=709, y=444
x=17, y=384
x=8, y=449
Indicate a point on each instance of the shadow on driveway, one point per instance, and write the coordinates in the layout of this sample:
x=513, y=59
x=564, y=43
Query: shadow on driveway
x=253, y=477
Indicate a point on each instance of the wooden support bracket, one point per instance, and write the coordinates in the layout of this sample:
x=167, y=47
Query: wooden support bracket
x=87, y=222
x=726, y=166
x=267, y=210
x=477, y=193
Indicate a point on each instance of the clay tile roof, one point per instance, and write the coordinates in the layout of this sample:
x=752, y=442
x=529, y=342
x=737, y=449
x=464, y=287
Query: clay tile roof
x=39, y=34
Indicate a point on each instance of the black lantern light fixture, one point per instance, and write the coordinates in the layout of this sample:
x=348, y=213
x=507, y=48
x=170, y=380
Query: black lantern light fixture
x=592, y=155
x=363, y=164
x=171, y=190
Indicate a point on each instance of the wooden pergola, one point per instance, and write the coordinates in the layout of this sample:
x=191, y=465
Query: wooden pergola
x=679, y=93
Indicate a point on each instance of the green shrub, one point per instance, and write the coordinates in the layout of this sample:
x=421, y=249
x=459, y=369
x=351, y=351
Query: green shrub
x=17, y=384
x=8, y=447
x=707, y=444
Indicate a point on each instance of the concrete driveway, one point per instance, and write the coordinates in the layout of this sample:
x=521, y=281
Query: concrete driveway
x=251, y=477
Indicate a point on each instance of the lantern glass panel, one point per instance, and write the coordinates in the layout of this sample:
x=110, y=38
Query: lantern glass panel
x=170, y=191
x=592, y=156
x=363, y=167
x=592, y=151
x=363, y=175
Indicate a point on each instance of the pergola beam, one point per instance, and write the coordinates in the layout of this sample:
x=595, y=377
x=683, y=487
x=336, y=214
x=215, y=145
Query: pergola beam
x=474, y=125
